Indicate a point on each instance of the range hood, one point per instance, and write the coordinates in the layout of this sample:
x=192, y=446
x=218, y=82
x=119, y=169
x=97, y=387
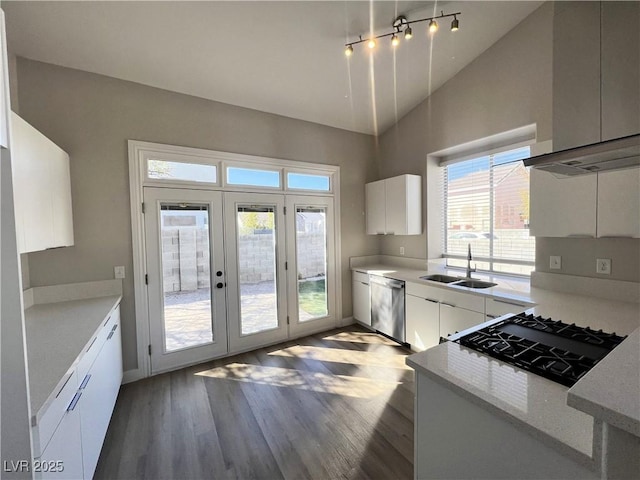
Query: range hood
x=613, y=154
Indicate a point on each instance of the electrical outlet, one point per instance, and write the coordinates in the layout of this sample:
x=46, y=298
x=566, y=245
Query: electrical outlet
x=401, y=250
x=603, y=266
x=555, y=262
x=118, y=272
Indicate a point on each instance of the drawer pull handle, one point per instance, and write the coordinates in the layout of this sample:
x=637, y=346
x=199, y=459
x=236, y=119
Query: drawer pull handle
x=112, y=331
x=86, y=379
x=91, y=345
x=508, y=303
x=64, y=385
x=432, y=301
x=74, y=402
x=448, y=305
x=491, y=316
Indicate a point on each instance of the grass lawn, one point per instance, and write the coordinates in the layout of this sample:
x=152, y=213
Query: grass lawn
x=313, y=297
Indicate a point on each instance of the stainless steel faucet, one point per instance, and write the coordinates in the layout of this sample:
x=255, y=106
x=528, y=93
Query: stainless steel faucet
x=469, y=269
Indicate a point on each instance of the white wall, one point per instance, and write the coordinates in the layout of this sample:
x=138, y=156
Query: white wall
x=506, y=87
x=92, y=116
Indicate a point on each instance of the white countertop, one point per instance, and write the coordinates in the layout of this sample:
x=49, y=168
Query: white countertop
x=56, y=334
x=532, y=401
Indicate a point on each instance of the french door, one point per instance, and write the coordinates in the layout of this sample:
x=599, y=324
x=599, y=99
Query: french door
x=185, y=271
x=228, y=272
x=256, y=283
x=311, y=269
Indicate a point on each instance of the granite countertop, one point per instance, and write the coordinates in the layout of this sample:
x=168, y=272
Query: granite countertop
x=56, y=335
x=553, y=412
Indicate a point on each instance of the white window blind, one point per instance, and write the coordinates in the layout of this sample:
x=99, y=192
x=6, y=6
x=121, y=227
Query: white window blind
x=486, y=205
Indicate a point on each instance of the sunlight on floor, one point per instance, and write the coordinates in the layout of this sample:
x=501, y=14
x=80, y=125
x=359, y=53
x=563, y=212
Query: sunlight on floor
x=338, y=355
x=361, y=337
x=348, y=386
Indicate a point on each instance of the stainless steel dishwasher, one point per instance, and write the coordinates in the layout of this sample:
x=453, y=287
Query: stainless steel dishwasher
x=387, y=307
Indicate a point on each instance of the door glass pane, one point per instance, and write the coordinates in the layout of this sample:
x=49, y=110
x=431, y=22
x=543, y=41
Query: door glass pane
x=257, y=268
x=311, y=255
x=186, y=276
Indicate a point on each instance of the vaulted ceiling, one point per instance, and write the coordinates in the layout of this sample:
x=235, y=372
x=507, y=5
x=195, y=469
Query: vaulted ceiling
x=285, y=57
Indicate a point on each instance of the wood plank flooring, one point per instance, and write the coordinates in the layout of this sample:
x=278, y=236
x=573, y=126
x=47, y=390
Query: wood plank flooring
x=335, y=405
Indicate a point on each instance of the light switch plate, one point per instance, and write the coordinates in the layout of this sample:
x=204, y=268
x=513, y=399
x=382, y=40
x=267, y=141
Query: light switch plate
x=555, y=262
x=118, y=272
x=603, y=266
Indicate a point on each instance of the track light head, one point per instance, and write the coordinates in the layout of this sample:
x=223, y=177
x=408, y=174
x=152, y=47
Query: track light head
x=433, y=26
x=394, y=40
x=371, y=43
x=408, y=33
x=455, y=25
x=348, y=51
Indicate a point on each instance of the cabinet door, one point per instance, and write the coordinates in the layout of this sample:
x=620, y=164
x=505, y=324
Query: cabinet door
x=619, y=203
x=361, y=301
x=422, y=323
x=563, y=207
x=60, y=184
x=62, y=459
x=375, y=207
x=100, y=390
x=496, y=307
x=396, y=205
x=454, y=319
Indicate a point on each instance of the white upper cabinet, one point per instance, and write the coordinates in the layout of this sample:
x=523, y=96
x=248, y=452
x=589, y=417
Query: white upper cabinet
x=619, y=203
x=596, y=73
x=562, y=207
x=394, y=206
x=376, y=208
x=42, y=189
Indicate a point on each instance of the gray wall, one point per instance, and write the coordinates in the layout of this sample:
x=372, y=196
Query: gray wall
x=508, y=86
x=92, y=117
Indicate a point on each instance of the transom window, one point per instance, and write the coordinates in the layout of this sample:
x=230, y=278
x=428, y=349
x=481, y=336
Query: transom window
x=486, y=205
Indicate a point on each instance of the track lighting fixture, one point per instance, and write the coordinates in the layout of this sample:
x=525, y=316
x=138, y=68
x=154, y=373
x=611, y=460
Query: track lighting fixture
x=402, y=25
x=408, y=33
x=455, y=25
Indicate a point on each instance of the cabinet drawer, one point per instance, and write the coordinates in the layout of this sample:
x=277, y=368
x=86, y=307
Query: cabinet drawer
x=361, y=277
x=91, y=352
x=423, y=291
x=463, y=300
x=496, y=307
x=56, y=411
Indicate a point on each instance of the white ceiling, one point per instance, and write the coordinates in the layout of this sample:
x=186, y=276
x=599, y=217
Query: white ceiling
x=285, y=57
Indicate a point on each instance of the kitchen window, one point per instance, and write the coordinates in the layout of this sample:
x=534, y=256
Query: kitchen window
x=486, y=205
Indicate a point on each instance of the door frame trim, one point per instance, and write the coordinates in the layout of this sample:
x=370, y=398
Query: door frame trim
x=138, y=153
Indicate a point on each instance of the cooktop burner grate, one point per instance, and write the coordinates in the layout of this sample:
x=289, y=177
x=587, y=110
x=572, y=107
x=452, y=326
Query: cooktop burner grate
x=558, y=351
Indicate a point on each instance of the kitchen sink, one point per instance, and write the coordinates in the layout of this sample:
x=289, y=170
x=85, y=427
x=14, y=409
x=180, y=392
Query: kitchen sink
x=440, y=278
x=471, y=283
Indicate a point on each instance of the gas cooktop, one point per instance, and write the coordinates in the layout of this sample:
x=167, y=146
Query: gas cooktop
x=558, y=351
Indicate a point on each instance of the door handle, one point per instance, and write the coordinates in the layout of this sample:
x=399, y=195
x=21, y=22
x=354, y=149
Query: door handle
x=220, y=285
x=219, y=273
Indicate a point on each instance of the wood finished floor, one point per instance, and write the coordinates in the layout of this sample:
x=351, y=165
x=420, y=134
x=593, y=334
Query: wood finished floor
x=333, y=405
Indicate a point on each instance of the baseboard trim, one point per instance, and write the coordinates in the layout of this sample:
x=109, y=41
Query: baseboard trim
x=595, y=287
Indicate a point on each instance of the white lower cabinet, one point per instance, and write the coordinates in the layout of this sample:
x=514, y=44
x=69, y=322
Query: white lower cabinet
x=361, y=298
x=422, y=322
x=99, y=397
x=79, y=435
x=62, y=456
x=455, y=319
x=496, y=307
x=434, y=312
